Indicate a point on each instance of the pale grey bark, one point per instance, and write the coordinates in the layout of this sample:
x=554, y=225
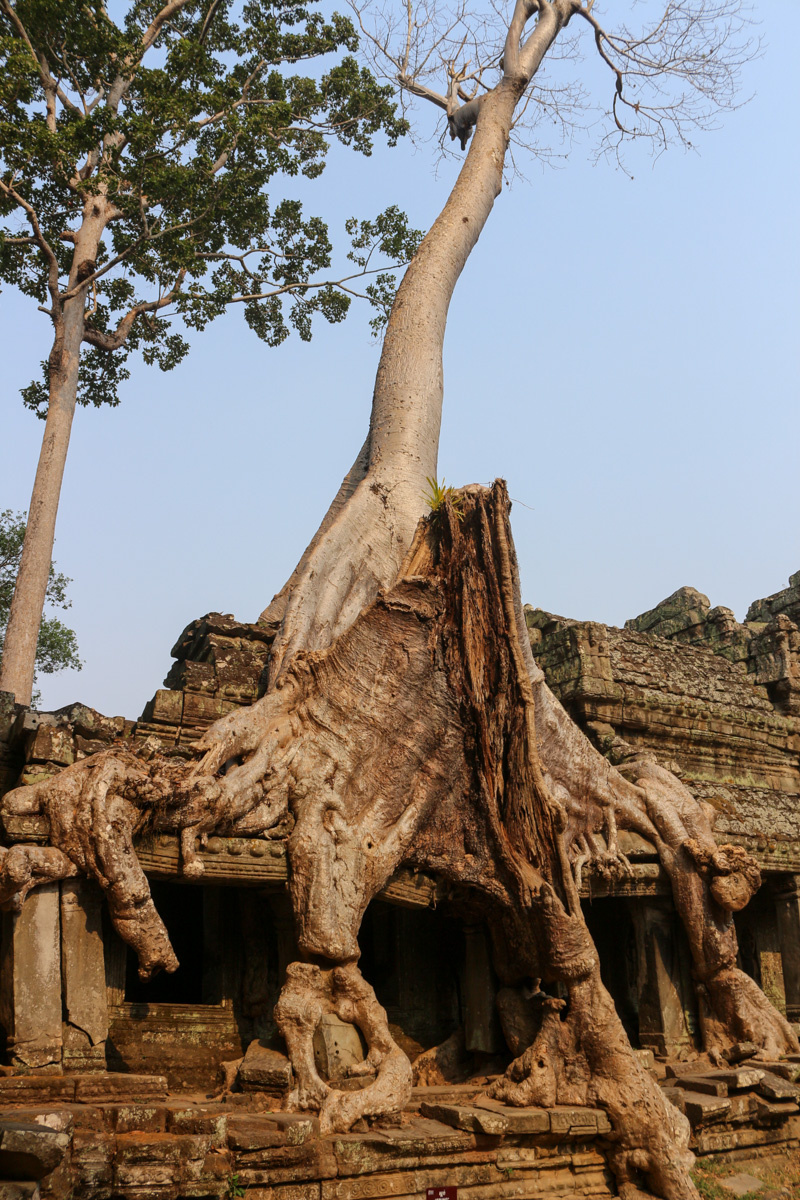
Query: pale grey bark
x=69, y=318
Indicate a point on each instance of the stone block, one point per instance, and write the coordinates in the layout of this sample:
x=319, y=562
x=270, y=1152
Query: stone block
x=737, y=1079
x=676, y=1096
x=286, y=1191
x=265, y=1070
x=676, y=1069
x=741, y=1184
x=578, y=1122
x=290, y=1164
x=768, y=1112
x=742, y=1107
x=147, y=1177
x=773, y=1087
x=255, y=1133
x=83, y=971
x=414, y=1145
x=32, y=982
x=702, y=1083
x=29, y=1150
x=519, y=1121
x=740, y=1052
x=199, y=1120
x=36, y=1089
x=702, y=1109
x=786, y=1070
x=166, y=708
x=337, y=1047
x=52, y=744
x=91, y=1161
x=473, y=1120
x=136, y=1118
x=148, y=1147
x=110, y=1086
x=59, y=1119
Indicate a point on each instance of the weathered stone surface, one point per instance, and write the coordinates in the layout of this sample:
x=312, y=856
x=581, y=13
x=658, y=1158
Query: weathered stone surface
x=29, y=1150
x=703, y=1083
x=473, y=1120
x=519, y=1121
x=31, y=981
x=701, y=1109
x=83, y=974
x=265, y=1070
x=36, y=1089
x=109, y=1086
x=767, y=1111
x=773, y=1087
x=254, y=1133
x=740, y=1052
x=741, y=1183
x=786, y=1070
x=338, y=1046
x=737, y=1079
x=578, y=1122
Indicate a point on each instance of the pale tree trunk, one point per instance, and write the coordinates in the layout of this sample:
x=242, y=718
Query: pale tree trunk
x=369, y=528
x=19, y=650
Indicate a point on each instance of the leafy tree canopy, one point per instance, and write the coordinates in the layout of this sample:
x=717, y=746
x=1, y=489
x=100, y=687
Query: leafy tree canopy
x=57, y=648
x=176, y=118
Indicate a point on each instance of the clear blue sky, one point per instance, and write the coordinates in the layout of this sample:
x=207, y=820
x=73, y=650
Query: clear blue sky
x=623, y=352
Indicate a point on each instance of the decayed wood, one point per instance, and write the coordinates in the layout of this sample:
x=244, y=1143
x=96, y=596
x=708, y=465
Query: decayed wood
x=424, y=736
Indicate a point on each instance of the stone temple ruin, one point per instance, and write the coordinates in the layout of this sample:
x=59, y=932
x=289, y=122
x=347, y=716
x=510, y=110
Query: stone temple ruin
x=173, y=1087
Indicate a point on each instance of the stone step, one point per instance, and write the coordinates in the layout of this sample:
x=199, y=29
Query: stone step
x=448, y=1093
x=773, y=1087
x=702, y=1109
x=104, y=1086
x=737, y=1079
x=786, y=1070
x=771, y=1113
x=473, y=1120
x=702, y=1083
x=561, y=1119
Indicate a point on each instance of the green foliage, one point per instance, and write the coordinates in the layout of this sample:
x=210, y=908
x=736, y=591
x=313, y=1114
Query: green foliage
x=57, y=648
x=235, y=1187
x=179, y=133
x=437, y=496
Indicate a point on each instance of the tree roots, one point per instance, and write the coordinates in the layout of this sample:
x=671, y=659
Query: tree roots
x=424, y=735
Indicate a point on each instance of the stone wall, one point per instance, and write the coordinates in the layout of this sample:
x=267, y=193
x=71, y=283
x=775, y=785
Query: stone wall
x=714, y=700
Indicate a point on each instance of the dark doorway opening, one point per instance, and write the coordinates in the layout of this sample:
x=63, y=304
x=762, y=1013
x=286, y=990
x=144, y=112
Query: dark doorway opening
x=609, y=922
x=180, y=907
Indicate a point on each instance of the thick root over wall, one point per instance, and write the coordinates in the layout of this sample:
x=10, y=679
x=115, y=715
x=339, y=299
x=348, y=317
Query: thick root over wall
x=424, y=735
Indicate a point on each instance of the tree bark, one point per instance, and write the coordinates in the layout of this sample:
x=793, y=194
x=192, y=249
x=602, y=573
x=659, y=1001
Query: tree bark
x=22, y=632
x=361, y=544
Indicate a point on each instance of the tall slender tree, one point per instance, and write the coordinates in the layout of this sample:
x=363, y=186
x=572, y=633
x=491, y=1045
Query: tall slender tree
x=134, y=164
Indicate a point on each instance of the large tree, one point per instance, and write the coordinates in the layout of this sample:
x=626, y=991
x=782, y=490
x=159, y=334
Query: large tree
x=134, y=162
x=405, y=720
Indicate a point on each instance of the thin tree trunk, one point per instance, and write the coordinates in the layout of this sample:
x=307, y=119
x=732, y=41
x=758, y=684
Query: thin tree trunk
x=22, y=633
